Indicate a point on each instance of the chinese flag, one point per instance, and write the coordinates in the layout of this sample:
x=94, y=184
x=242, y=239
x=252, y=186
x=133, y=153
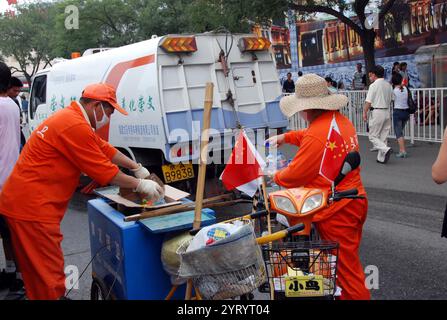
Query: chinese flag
x=11, y=2
x=244, y=167
x=334, y=154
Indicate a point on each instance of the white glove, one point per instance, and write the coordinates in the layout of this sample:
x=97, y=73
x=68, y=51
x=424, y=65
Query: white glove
x=141, y=172
x=150, y=188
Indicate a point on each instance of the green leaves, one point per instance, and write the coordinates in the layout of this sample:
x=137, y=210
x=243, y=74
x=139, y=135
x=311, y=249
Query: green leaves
x=26, y=37
x=38, y=33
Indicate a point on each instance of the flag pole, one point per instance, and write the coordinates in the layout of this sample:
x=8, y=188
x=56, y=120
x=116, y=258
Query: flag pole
x=269, y=228
x=266, y=203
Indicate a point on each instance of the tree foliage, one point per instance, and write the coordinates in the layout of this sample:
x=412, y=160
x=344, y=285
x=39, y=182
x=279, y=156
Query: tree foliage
x=27, y=37
x=38, y=32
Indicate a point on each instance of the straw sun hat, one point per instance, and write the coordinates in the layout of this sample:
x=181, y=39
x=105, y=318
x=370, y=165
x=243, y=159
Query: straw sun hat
x=311, y=92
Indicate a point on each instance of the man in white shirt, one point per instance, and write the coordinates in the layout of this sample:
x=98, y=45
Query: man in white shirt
x=10, y=144
x=378, y=100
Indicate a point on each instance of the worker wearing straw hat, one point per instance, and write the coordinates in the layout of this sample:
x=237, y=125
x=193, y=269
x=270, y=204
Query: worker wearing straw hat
x=343, y=220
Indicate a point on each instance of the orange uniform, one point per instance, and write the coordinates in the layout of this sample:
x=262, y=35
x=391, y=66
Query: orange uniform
x=343, y=220
x=36, y=195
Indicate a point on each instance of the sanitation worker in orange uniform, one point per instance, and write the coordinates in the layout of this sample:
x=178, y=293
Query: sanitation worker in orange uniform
x=36, y=194
x=342, y=221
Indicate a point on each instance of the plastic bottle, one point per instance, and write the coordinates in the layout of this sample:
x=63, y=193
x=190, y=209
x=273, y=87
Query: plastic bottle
x=270, y=164
x=274, y=161
x=281, y=161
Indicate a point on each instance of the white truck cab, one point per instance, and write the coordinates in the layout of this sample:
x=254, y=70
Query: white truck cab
x=161, y=83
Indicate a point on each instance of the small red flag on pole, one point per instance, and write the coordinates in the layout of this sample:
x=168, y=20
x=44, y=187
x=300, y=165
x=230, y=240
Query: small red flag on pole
x=334, y=153
x=244, y=168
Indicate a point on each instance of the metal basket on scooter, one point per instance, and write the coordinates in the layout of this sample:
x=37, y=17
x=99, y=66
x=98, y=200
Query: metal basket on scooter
x=228, y=268
x=298, y=270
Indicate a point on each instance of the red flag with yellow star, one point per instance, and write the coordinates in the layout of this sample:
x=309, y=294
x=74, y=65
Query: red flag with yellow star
x=334, y=154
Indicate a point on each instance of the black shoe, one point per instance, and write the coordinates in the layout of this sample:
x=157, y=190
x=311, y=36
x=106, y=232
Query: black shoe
x=16, y=291
x=387, y=155
x=6, y=279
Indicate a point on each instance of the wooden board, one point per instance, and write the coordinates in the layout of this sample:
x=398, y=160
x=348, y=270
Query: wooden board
x=172, y=197
x=176, y=221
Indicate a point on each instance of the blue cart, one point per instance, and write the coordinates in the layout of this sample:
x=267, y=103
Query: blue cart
x=126, y=255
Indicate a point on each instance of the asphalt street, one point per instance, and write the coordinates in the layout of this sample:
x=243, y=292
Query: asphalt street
x=401, y=235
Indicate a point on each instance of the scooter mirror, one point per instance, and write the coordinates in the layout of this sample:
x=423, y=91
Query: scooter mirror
x=352, y=162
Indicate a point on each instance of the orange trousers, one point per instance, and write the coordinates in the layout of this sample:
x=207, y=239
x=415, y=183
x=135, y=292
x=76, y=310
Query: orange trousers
x=345, y=226
x=38, y=252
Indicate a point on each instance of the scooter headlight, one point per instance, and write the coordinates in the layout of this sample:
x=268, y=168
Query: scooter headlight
x=312, y=203
x=284, y=204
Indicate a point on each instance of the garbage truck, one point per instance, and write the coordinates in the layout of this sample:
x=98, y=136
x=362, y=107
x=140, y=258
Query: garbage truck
x=161, y=83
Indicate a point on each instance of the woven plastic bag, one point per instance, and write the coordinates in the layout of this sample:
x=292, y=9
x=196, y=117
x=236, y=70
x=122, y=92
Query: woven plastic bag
x=170, y=255
x=226, y=268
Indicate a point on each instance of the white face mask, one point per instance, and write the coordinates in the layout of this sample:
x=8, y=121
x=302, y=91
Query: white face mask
x=104, y=121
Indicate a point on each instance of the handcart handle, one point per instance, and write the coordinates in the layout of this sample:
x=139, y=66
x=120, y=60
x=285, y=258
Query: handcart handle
x=280, y=234
x=258, y=214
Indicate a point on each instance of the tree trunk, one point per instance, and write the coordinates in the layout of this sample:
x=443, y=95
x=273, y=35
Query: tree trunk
x=28, y=78
x=367, y=39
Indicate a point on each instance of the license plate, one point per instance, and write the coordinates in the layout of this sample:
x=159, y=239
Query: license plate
x=304, y=286
x=177, y=172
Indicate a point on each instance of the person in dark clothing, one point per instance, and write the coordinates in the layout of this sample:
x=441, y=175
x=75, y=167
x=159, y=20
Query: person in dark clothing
x=15, y=85
x=288, y=86
x=396, y=68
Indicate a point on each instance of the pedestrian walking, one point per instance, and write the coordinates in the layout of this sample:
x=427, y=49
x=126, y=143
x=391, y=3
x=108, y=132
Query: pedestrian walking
x=377, y=103
x=36, y=194
x=400, y=112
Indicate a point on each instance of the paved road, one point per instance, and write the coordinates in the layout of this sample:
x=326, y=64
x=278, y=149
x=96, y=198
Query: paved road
x=401, y=235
